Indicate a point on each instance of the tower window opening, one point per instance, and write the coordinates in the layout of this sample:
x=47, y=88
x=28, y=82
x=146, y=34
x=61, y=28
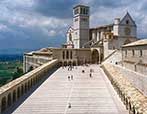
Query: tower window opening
x=86, y=11
x=82, y=11
x=76, y=11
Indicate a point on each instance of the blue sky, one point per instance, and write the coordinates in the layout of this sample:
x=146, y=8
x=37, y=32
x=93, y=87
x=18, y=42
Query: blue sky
x=33, y=24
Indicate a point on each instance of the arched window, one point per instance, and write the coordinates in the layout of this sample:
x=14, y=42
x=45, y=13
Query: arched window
x=67, y=55
x=140, y=52
x=70, y=37
x=126, y=53
x=25, y=87
x=70, y=54
x=81, y=12
x=63, y=55
x=84, y=11
x=18, y=92
x=3, y=104
x=14, y=96
x=9, y=100
x=133, y=52
x=22, y=89
x=30, y=69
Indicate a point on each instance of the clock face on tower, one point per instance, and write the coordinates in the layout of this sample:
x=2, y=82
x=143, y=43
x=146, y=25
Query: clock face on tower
x=127, y=31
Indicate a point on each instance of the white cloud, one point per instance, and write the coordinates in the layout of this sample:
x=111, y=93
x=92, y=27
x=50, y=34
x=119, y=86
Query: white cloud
x=20, y=17
x=52, y=33
x=3, y=27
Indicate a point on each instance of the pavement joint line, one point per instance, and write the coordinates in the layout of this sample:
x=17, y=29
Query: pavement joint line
x=70, y=94
x=86, y=95
x=110, y=90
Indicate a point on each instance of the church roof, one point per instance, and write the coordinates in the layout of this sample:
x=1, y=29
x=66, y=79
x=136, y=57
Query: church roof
x=128, y=15
x=111, y=25
x=70, y=28
x=80, y=6
x=137, y=43
x=102, y=27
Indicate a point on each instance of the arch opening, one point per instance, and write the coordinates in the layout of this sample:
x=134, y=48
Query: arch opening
x=18, y=92
x=14, y=96
x=3, y=104
x=9, y=100
x=95, y=57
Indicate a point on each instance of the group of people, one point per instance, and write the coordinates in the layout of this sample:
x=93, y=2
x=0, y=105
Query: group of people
x=91, y=71
x=70, y=67
x=70, y=77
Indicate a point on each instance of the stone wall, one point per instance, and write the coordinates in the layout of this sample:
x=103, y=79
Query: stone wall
x=115, y=57
x=138, y=80
x=67, y=56
x=13, y=91
x=34, y=61
x=135, y=58
x=134, y=100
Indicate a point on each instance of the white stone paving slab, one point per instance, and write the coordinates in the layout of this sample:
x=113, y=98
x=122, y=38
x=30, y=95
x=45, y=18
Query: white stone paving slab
x=86, y=95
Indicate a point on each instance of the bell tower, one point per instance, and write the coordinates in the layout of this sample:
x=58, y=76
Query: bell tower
x=80, y=25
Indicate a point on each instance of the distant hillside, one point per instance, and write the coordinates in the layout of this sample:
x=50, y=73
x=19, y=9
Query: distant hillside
x=9, y=57
x=11, y=67
x=14, y=51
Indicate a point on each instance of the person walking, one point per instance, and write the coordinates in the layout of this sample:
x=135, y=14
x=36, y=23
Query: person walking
x=71, y=77
x=69, y=105
x=90, y=75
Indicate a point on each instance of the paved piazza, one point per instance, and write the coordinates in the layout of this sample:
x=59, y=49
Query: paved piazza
x=82, y=95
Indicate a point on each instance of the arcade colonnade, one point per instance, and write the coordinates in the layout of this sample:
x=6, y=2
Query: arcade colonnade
x=77, y=57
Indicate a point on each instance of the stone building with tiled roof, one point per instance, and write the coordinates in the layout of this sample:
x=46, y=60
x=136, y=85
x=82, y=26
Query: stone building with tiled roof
x=91, y=45
x=108, y=37
x=135, y=56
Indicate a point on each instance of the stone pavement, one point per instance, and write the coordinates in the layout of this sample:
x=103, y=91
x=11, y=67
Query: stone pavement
x=82, y=95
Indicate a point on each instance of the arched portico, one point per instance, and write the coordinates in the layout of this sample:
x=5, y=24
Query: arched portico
x=95, y=56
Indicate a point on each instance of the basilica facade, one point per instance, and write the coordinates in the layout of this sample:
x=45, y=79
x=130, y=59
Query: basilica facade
x=109, y=37
x=88, y=45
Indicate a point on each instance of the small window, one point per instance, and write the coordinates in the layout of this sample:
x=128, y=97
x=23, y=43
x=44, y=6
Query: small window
x=133, y=52
x=76, y=11
x=70, y=37
x=67, y=55
x=140, y=52
x=126, y=53
x=86, y=12
x=84, y=19
x=63, y=55
x=70, y=54
x=127, y=22
x=82, y=11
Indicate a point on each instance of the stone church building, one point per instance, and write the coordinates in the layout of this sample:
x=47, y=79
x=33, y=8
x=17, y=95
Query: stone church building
x=110, y=37
x=85, y=44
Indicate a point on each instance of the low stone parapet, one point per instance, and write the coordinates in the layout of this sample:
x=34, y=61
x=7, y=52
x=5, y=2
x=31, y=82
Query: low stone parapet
x=13, y=91
x=134, y=100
